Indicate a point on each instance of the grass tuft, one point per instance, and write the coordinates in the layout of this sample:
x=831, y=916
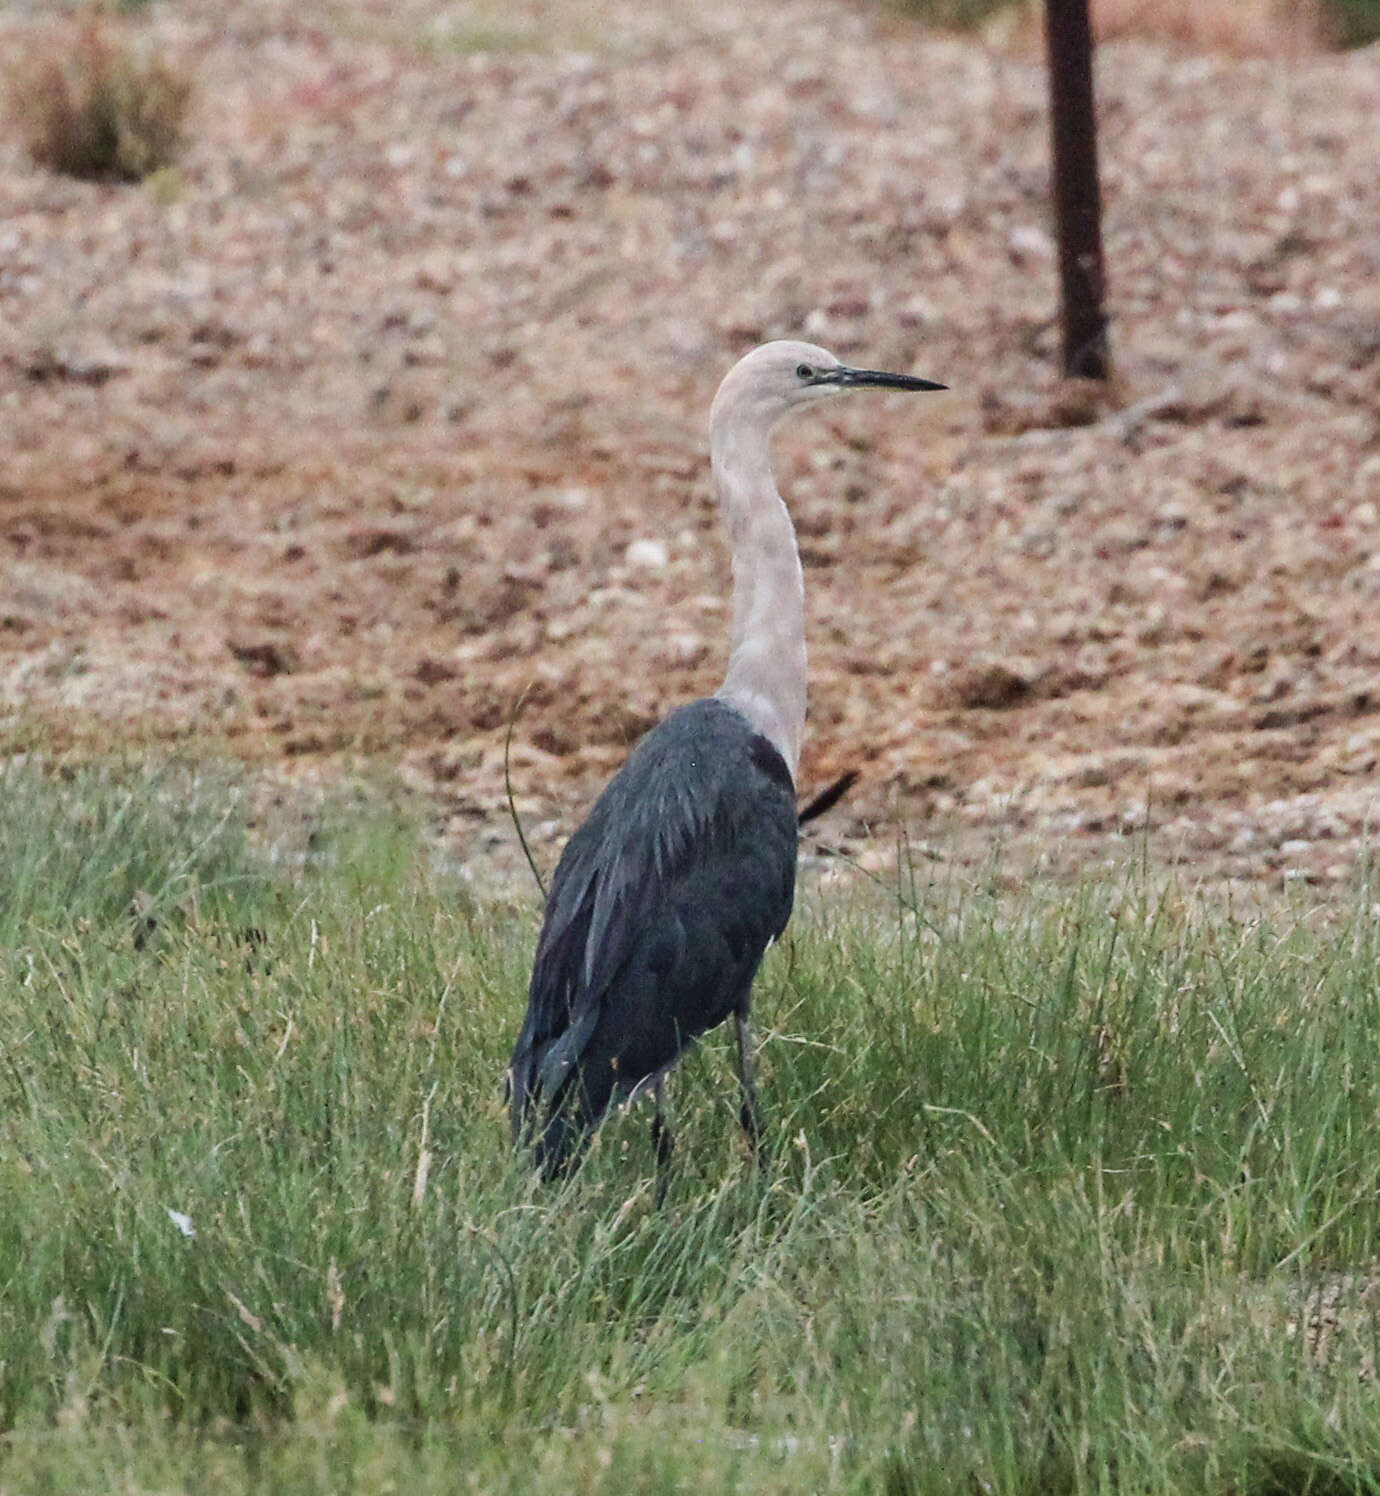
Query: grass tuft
x=958, y=15
x=89, y=104
x=1352, y=23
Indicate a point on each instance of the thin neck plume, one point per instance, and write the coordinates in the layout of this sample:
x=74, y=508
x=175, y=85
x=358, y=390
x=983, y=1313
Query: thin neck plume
x=766, y=668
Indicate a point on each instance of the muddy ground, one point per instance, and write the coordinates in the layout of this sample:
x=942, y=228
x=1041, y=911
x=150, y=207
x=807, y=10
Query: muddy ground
x=388, y=405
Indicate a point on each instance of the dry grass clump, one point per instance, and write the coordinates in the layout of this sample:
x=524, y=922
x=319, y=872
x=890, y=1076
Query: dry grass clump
x=90, y=104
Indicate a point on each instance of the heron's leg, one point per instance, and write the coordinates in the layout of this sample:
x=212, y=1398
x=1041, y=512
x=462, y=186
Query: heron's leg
x=662, y=1141
x=747, y=1113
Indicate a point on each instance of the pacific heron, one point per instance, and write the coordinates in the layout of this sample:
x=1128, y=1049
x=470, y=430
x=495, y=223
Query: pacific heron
x=666, y=898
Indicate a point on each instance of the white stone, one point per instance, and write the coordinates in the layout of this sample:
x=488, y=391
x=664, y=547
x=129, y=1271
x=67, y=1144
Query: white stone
x=650, y=553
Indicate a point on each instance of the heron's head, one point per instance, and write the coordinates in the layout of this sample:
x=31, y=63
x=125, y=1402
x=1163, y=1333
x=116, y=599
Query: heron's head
x=780, y=377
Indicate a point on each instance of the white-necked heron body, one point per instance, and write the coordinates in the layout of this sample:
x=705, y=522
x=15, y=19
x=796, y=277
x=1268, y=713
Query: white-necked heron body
x=666, y=898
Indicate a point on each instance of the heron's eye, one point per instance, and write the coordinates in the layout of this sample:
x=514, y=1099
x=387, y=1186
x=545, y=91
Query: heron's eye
x=804, y=371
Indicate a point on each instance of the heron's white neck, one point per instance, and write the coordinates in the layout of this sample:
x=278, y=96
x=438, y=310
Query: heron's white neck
x=766, y=669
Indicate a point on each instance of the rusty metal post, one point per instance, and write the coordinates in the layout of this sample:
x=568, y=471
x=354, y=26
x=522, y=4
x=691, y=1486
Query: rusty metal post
x=1077, y=198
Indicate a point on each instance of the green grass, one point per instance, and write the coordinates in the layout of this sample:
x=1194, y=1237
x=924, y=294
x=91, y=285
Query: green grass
x=1345, y=23
x=960, y=15
x=1353, y=23
x=1051, y=1178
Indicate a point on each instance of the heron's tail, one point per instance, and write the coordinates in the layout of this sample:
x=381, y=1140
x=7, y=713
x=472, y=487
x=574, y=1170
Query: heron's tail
x=556, y=1136
x=555, y=1128
x=552, y=1109
x=559, y=1147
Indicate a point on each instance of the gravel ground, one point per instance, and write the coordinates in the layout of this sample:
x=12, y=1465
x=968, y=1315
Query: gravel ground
x=388, y=405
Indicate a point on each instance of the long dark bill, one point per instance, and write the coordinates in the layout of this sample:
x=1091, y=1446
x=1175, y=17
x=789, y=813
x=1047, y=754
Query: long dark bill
x=875, y=379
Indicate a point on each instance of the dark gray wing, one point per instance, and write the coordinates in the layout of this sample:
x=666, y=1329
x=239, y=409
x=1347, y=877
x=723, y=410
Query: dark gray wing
x=659, y=912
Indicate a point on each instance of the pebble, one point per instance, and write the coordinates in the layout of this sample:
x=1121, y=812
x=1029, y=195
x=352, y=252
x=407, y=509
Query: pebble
x=652, y=554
